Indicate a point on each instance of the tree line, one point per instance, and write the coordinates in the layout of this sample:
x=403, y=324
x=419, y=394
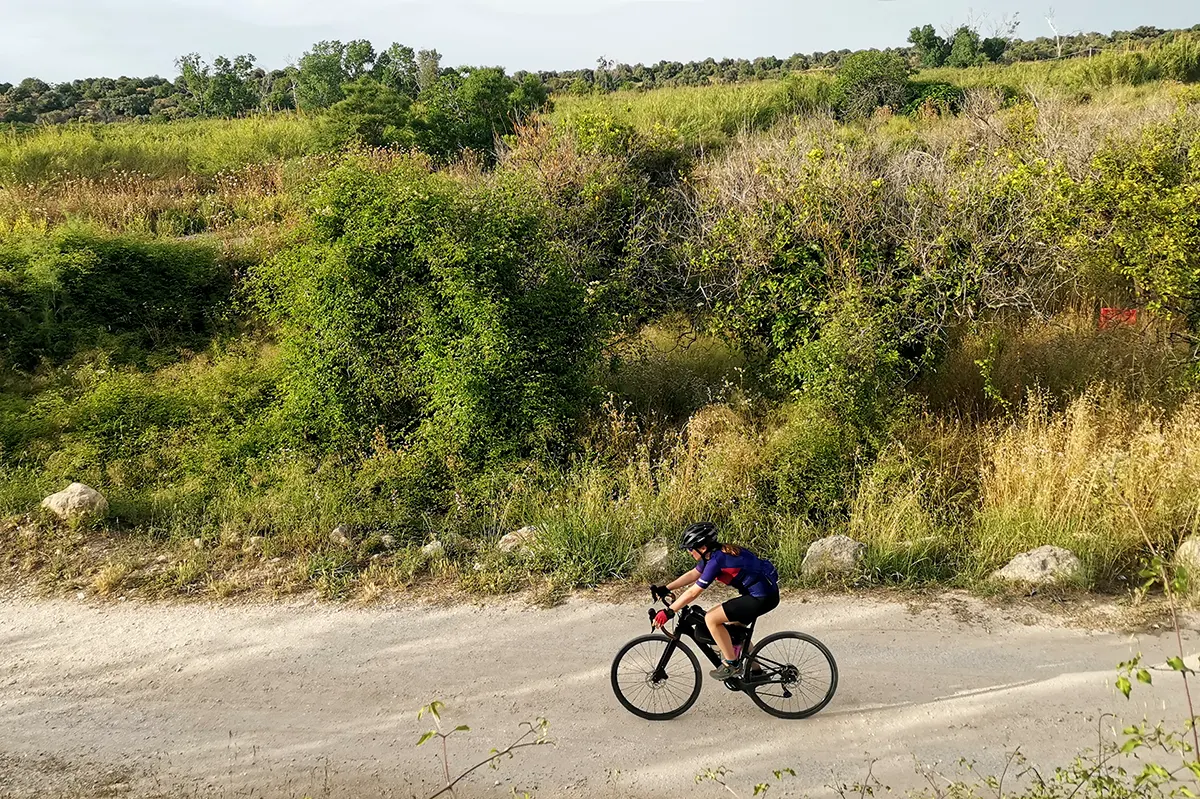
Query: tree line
x=333, y=72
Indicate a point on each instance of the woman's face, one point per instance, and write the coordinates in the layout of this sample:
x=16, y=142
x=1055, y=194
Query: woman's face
x=694, y=553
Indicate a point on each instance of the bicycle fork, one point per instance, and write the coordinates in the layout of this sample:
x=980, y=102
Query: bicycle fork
x=660, y=672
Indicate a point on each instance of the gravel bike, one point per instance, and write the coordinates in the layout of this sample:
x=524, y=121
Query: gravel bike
x=791, y=675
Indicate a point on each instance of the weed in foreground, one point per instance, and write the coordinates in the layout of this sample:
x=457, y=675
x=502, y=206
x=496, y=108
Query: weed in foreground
x=535, y=734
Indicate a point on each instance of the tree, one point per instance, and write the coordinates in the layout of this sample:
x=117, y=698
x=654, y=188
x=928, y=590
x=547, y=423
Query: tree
x=529, y=95
x=193, y=79
x=320, y=75
x=357, y=58
x=932, y=50
x=278, y=90
x=465, y=112
x=868, y=80
x=964, y=52
x=372, y=112
x=232, y=88
x=429, y=68
x=396, y=68
x=993, y=48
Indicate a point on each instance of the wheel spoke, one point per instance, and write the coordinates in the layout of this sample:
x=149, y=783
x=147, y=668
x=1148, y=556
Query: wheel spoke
x=634, y=672
x=811, y=670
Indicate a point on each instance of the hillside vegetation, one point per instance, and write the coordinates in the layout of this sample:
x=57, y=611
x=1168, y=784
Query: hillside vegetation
x=866, y=302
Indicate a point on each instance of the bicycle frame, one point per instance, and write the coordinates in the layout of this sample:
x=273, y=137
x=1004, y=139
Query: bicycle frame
x=685, y=626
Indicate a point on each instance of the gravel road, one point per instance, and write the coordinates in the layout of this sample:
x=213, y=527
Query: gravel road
x=319, y=700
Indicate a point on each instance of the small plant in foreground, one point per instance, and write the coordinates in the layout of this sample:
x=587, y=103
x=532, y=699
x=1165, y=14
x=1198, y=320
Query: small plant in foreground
x=720, y=773
x=535, y=734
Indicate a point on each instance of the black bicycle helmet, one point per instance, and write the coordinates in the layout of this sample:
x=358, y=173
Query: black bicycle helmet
x=700, y=534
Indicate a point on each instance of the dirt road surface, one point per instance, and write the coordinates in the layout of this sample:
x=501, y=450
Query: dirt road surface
x=293, y=700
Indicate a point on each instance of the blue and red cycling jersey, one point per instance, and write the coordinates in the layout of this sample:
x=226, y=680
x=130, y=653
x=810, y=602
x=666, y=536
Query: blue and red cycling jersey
x=745, y=571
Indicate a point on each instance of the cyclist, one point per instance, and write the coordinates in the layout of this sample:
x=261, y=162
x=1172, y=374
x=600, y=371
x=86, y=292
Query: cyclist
x=755, y=579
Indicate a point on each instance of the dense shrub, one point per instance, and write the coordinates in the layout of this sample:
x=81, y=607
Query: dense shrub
x=1142, y=215
x=74, y=289
x=941, y=98
x=418, y=305
x=609, y=200
x=868, y=80
x=812, y=463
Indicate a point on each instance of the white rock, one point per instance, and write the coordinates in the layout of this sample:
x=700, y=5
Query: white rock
x=655, y=556
x=1188, y=556
x=837, y=554
x=77, y=501
x=198, y=543
x=341, y=536
x=518, y=538
x=1040, y=566
x=388, y=540
x=434, y=549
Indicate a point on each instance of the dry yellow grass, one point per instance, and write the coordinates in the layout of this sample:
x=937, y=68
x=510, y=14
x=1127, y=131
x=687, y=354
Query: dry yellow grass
x=1091, y=479
x=140, y=203
x=111, y=578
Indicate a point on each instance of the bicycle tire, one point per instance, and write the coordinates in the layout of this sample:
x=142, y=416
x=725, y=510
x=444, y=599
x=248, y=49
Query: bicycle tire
x=758, y=656
x=639, y=673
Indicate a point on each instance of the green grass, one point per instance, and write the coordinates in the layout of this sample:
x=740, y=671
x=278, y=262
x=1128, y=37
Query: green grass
x=158, y=150
x=1178, y=60
x=707, y=115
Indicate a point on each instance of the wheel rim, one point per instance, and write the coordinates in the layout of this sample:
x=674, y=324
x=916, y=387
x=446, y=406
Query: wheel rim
x=651, y=693
x=800, y=673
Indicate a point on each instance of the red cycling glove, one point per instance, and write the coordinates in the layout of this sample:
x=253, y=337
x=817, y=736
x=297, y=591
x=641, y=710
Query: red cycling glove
x=663, y=617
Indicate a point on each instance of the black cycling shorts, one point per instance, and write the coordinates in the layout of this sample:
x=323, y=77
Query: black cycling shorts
x=746, y=609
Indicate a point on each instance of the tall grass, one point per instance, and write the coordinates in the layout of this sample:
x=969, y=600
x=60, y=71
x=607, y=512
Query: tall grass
x=156, y=150
x=1174, y=60
x=993, y=369
x=137, y=203
x=1101, y=479
x=707, y=115
x=192, y=451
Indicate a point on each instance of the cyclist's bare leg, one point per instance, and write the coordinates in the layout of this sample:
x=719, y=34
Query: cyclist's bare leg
x=716, y=619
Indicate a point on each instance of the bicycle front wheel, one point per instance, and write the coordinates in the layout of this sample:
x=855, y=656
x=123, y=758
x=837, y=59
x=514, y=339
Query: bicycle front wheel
x=791, y=675
x=656, y=677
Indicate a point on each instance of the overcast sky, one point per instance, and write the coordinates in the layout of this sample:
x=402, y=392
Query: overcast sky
x=62, y=39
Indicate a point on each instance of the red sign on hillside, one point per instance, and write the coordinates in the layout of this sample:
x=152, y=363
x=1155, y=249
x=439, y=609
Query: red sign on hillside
x=1118, y=317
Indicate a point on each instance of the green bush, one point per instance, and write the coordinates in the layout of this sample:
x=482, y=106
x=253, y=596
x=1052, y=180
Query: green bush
x=74, y=289
x=1142, y=215
x=942, y=98
x=851, y=364
x=868, y=80
x=415, y=305
x=371, y=113
x=812, y=463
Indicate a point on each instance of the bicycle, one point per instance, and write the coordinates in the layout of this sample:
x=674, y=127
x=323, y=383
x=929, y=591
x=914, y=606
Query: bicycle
x=657, y=676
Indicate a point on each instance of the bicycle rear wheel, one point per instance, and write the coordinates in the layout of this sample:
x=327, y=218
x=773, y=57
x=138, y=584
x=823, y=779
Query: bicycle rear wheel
x=797, y=672
x=651, y=688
